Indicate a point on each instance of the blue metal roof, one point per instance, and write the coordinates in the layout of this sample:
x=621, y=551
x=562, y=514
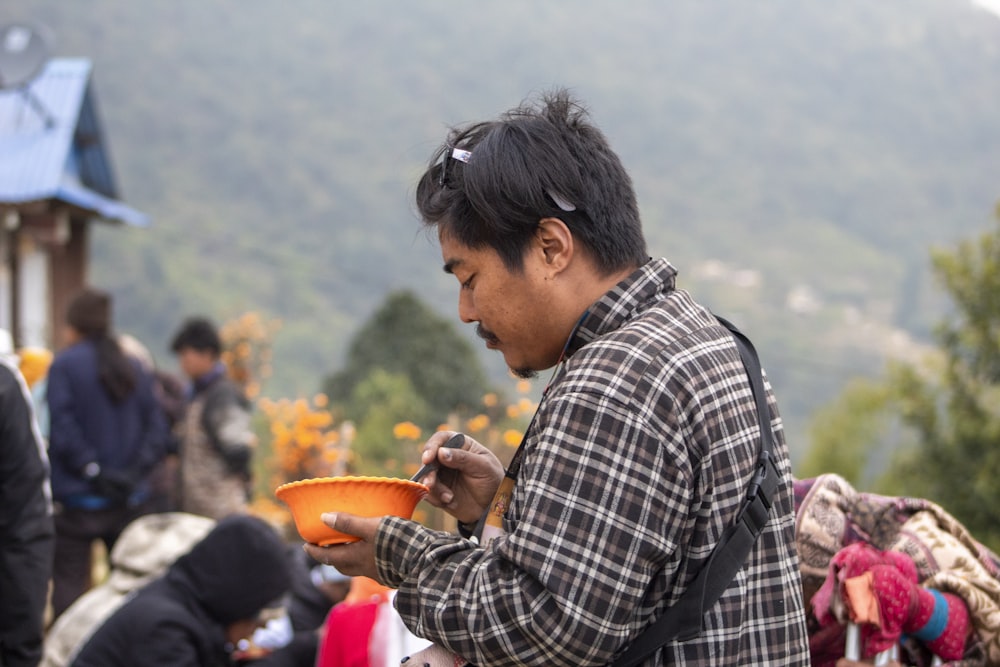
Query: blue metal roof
x=52, y=146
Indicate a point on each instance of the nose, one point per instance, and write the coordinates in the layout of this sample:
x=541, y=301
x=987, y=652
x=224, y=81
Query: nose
x=466, y=307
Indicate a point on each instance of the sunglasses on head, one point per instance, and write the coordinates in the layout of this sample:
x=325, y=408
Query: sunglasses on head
x=450, y=154
x=462, y=155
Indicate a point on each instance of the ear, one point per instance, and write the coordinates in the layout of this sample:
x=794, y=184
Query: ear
x=555, y=242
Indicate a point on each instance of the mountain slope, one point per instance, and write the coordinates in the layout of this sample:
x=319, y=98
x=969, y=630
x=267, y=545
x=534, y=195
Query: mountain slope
x=813, y=151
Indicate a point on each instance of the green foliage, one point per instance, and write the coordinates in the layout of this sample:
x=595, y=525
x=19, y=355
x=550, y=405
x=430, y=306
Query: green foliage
x=277, y=145
x=842, y=433
x=380, y=401
x=950, y=403
x=405, y=338
x=957, y=412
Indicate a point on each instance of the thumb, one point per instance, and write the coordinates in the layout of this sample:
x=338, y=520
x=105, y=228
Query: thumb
x=361, y=527
x=335, y=520
x=455, y=458
x=462, y=461
x=349, y=524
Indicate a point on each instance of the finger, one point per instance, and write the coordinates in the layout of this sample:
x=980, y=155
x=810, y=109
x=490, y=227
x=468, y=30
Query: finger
x=440, y=496
x=439, y=483
x=349, y=558
x=436, y=445
x=430, y=479
x=318, y=553
x=345, y=523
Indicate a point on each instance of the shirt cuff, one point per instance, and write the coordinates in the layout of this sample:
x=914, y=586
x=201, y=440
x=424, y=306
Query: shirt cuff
x=402, y=545
x=399, y=544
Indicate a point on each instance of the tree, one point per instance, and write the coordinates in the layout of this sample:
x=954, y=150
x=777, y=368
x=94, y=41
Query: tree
x=957, y=413
x=381, y=401
x=948, y=406
x=404, y=337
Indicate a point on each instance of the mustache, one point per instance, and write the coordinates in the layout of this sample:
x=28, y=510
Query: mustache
x=486, y=334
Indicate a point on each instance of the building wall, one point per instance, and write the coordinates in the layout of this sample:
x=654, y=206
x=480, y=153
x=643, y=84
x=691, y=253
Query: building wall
x=38, y=280
x=68, y=274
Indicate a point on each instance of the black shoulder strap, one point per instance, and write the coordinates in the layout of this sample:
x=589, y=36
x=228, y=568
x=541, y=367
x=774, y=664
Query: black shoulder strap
x=684, y=619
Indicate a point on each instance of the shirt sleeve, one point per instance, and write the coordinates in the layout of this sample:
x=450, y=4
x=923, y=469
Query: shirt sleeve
x=156, y=433
x=543, y=594
x=227, y=419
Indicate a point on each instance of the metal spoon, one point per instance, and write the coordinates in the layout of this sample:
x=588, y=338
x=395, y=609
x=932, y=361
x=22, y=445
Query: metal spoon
x=455, y=442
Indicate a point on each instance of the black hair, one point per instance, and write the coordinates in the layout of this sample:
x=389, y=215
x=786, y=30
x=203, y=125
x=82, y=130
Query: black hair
x=518, y=168
x=89, y=314
x=197, y=333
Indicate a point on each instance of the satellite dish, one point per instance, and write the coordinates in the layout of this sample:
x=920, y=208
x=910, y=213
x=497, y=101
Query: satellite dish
x=24, y=48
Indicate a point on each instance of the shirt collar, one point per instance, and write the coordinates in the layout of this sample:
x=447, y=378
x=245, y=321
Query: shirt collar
x=646, y=285
x=202, y=382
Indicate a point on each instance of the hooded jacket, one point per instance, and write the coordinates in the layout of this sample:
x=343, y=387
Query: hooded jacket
x=181, y=618
x=143, y=552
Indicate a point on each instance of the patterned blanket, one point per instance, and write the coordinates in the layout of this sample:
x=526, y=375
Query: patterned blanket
x=831, y=514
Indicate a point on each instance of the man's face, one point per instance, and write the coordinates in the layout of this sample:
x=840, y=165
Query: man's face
x=195, y=363
x=69, y=335
x=512, y=309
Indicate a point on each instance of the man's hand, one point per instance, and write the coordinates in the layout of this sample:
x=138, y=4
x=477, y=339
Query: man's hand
x=466, y=479
x=352, y=558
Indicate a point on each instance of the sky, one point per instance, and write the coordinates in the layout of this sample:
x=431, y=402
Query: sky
x=990, y=5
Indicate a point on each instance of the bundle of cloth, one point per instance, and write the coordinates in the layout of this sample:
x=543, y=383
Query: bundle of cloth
x=879, y=592
x=903, y=569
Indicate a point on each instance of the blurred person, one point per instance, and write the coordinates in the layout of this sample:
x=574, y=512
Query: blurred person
x=313, y=595
x=645, y=444
x=143, y=552
x=216, y=439
x=364, y=630
x=291, y=638
x=27, y=533
x=107, y=434
x=169, y=392
x=209, y=601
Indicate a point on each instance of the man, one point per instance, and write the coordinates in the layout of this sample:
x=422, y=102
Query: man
x=27, y=535
x=207, y=602
x=216, y=438
x=642, y=448
x=143, y=552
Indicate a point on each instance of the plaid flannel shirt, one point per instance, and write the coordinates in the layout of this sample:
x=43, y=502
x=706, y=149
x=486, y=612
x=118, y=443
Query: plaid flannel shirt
x=638, y=459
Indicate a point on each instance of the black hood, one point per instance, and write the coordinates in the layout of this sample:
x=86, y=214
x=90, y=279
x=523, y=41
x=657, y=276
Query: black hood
x=236, y=570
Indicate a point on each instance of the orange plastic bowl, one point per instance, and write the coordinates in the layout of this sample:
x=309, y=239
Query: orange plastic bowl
x=364, y=496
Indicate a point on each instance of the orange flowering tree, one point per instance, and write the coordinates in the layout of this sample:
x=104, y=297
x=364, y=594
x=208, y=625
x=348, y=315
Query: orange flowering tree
x=499, y=425
x=304, y=438
x=246, y=350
